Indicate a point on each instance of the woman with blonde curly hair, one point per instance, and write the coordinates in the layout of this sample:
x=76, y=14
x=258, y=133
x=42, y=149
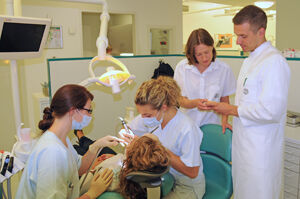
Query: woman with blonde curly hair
x=157, y=101
x=143, y=154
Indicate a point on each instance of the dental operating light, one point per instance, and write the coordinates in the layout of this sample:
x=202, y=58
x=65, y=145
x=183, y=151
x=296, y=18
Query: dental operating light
x=112, y=78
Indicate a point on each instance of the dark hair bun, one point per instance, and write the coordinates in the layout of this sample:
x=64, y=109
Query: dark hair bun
x=47, y=120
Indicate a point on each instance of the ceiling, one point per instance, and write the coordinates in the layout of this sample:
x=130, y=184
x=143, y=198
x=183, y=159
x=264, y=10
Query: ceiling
x=230, y=6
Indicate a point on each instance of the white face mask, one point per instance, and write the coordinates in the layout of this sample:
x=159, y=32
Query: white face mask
x=80, y=125
x=151, y=122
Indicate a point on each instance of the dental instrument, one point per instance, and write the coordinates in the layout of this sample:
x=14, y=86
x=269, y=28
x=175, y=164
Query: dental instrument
x=125, y=125
x=154, y=130
x=10, y=164
x=1, y=158
x=6, y=161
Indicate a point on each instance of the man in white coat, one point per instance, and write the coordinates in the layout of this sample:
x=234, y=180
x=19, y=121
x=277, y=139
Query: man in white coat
x=259, y=110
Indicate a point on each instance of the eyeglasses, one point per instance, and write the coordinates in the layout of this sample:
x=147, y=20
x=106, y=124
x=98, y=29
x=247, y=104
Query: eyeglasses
x=90, y=111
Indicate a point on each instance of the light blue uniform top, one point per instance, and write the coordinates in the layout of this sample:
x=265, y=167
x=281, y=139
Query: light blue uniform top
x=181, y=136
x=51, y=170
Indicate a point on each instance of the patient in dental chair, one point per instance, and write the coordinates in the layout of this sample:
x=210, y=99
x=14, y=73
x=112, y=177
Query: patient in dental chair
x=84, y=142
x=143, y=154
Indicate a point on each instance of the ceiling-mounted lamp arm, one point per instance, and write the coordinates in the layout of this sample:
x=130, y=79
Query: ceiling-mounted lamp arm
x=102, y=41
x=92, y=80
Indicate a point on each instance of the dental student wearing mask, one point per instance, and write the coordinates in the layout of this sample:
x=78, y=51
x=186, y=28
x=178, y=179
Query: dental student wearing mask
x=157, y=101
x=53, y=167
x=259, y=110
x=202, y=77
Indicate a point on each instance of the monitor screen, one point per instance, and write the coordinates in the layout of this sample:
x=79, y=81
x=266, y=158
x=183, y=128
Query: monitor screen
x=22, y=37
x=19, y=37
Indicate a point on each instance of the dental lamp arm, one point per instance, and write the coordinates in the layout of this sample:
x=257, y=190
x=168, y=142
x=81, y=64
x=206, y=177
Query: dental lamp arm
x=92, y=80
x=102, y=41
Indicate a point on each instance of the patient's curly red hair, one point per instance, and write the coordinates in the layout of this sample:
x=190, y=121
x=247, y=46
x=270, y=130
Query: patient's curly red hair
x=143, y=154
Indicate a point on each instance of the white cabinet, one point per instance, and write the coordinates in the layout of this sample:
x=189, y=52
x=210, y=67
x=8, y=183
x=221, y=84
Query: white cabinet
x=291, y=163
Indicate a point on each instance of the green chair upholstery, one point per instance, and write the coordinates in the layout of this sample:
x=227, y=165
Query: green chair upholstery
x=167, y=185
x=216, y=157
x=110, y=195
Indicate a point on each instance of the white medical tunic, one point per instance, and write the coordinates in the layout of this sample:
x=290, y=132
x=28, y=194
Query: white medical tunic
x=183, y=137
x=215, y=82
x=51, y=170
x=258, y=132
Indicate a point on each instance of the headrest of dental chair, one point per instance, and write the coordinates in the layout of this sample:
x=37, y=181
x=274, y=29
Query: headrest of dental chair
x=147, y=179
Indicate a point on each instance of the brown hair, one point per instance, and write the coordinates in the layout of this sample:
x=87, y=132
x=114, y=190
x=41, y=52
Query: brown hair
x=65, y=98
x=143, y=154
x=197, y=37
x=156, y=92
x=253, y=15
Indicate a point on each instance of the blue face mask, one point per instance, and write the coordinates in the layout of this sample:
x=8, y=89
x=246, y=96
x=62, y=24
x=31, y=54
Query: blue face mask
x=151, y=122
x=80, y=125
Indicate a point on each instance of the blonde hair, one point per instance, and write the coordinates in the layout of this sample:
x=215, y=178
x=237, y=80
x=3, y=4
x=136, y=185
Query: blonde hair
x=143, y=154
x=157, y=92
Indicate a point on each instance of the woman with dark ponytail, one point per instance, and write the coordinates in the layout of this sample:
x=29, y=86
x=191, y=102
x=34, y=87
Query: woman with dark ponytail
x=53, y=167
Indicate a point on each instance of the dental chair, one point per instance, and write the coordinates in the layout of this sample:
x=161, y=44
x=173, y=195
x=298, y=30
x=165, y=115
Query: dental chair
x=216, y=157
x=157, y=184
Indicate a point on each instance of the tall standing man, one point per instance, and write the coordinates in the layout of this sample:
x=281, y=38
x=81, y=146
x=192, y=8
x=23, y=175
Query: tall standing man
x=259, y=110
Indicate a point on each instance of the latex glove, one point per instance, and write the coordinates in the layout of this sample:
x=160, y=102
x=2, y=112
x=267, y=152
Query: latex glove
x=105, y=141
x=127, y=136
x=100, y=183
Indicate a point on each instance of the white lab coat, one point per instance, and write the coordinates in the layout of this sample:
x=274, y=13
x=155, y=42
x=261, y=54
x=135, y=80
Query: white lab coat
x=51, y=170
x=215, y=82
x=258, y=132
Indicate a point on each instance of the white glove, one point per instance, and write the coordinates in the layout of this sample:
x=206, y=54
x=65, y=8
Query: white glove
x=127, y=136
x=105, y=141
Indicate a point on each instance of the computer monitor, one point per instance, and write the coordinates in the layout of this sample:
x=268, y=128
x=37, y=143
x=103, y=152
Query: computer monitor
x=22, y=37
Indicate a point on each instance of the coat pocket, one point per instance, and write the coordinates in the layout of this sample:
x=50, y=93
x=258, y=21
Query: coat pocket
x=213, y=93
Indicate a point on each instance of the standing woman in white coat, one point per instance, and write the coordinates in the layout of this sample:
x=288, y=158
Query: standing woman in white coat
x=202, y=77
x=259, y=110
x=53, y=167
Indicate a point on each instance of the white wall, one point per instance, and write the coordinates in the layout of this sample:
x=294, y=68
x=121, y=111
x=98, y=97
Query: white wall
x=218, y=25
x=119, y=32
x=288, y=29
x=154, y=13
x=6, y=106
x=120, y=19
x=90, y=25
